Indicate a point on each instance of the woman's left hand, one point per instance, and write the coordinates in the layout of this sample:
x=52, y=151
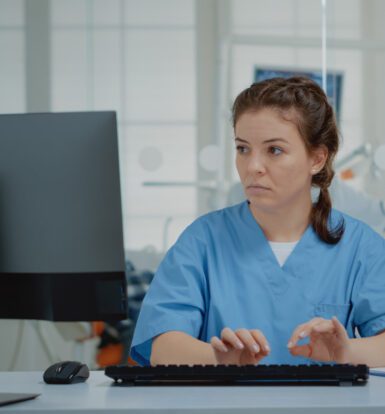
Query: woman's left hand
x=328, y=341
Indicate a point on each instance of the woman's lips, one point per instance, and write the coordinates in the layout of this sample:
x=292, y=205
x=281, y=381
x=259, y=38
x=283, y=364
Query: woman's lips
x=257, y=189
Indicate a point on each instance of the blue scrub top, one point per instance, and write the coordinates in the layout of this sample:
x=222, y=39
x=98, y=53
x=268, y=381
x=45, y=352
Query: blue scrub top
x=221, y=272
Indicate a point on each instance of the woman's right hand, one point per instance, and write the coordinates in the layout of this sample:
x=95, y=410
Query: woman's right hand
x=242, y=347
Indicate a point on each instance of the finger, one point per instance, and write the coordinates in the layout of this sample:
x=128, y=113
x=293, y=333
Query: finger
x=302, y=331
x=229, y=338
x=340, y=329
x=301, y=350
x=218, y=345
x=248, y=340
x=326, y=326
x=261, y=339
x=295, y=335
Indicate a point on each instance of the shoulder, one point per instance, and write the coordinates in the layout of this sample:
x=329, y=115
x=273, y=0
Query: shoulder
x=213, y=224
x=226, y=214
x=218, y=220
x=357, y=231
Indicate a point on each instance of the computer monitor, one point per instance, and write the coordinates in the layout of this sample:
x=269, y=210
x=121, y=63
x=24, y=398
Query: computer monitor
x=61, y=236
x=334, y=81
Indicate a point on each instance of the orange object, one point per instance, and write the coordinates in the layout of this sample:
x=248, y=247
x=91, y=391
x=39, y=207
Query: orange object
x=347, y=174
x=112, y=355
x=109, y=355
x=130, y=361
x=97, y=328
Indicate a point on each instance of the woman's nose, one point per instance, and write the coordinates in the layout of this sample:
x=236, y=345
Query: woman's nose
x=256, y=165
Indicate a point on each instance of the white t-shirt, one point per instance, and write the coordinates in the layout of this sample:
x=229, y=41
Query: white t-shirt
x=282, y=250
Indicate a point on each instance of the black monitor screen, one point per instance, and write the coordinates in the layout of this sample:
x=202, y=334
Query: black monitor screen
x=61, y=237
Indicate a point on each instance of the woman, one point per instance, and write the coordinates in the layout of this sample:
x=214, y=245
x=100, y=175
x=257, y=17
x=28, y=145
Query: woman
x=275, y=278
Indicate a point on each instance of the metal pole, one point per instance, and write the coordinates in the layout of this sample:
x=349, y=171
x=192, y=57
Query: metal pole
x=324, y=29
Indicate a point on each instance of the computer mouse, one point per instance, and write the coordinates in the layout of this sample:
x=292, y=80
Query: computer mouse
x=66, y=372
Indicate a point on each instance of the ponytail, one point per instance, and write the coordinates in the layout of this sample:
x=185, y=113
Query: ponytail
x=319, y=218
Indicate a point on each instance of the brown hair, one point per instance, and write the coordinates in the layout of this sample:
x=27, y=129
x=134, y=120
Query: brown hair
x=316, y=124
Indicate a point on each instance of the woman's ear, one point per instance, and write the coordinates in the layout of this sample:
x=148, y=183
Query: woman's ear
x=318, y=159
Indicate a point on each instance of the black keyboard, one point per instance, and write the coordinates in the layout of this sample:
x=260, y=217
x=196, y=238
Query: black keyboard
x=337, y=374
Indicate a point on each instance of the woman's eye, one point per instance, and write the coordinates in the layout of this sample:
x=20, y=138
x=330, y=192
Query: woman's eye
x=275, y=150
x=241, y=149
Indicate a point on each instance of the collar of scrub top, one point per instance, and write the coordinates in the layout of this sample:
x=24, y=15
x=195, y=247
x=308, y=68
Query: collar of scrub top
x=295, y=266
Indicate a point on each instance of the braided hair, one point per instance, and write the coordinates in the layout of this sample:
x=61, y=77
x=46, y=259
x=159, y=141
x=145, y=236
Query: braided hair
x=309, y=109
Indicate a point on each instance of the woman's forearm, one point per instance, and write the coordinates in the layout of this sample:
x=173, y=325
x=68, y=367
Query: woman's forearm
x=176, y=347
x=369, y=351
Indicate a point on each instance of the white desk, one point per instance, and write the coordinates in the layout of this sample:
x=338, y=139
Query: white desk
x=98, y=396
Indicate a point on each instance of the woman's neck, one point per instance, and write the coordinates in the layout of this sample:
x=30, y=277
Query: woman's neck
x=283, y=225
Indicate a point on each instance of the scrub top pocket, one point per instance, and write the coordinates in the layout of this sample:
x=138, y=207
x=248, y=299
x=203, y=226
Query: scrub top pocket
x=327, y=311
